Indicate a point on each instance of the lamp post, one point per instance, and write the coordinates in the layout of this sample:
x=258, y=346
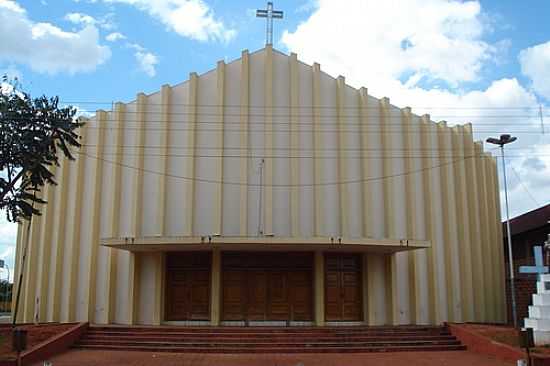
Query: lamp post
x=503, y=140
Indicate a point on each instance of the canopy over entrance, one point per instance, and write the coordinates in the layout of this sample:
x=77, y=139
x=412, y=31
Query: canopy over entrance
x=148, y=244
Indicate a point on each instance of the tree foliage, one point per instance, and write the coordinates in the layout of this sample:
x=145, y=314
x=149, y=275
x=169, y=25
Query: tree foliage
x=32, y=131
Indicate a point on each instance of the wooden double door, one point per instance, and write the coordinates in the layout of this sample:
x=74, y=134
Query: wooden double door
x=343, y=287
x=267, y=286
x=188, y=286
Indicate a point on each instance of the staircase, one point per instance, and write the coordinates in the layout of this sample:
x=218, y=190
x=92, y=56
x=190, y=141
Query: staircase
x=270, y=339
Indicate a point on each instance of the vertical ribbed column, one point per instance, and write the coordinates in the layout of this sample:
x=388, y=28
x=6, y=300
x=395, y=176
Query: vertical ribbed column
x=386, y=143
x=449, y=223
x=137, y=209
x=268, y=142
x=48, y=212
x=134, y=269
x=389, y=212
x=165, y=97
x=463, y=224
x=114, y=230
x=410, y=207
x=77, y=225
x=426, y=143
x=317, y=148
x=244, y=109
x=365, y=163
x=220, y=128
x=294, y=147
x=59, y=247
x=319, y=293
x=472, y=195
x=30, y=270
x=342, y=158
x=159, y=289
x=215, y=288
x=368, y=270
x=17, y=270
x=23, y=265
x=372, y=319
x=485, y=233
x=500, y=246
x=472, y=172
x=192, y=124
x=96, y=213
x=492, y=231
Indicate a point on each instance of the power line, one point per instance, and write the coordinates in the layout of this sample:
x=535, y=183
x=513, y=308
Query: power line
x=272, y=130
x=532, y=107
x=346, y=149
x=284, y=119
x=204, y=180
x=260, y=156
x=524, y=186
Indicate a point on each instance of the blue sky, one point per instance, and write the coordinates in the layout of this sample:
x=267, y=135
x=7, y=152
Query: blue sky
x=482, y=58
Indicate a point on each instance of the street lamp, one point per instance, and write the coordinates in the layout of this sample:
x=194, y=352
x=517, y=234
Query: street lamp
x=503, y=140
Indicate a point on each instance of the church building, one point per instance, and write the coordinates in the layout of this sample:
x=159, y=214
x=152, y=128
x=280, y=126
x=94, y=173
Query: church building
x=267, y=192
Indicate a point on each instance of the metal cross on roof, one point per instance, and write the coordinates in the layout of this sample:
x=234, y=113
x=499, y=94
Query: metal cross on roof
x=270, y=14
x=539, y=267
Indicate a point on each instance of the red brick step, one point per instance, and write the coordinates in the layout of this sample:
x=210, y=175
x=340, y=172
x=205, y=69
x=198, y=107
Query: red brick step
x=270, y=339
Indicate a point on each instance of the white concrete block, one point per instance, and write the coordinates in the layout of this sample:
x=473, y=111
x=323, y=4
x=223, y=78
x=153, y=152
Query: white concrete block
x=543, y=287
x=539, y=312
x=541, y=299
x=537, y=324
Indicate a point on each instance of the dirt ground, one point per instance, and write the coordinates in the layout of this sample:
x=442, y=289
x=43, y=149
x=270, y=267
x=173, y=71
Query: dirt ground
x=108, y=358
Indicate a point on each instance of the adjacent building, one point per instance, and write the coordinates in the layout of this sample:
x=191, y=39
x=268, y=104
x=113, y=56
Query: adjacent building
x=528, y=230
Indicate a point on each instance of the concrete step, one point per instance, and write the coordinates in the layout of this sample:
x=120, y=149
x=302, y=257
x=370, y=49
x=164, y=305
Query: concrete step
x=268, y=330
x=269, y=339
x=324, y=349
x=346, y=338
x=269, y=344
x=259, y=335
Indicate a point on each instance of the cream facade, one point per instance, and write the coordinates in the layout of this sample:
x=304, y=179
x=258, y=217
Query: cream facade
x=268, y=154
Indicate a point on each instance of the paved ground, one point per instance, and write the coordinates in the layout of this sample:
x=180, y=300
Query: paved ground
x=107, y=358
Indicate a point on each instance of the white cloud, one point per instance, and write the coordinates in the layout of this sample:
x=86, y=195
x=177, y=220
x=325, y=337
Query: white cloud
x=115, y=36
x=105, y=22
x=377, y=41
x=398, y=48
x=46, y=47
x=189, y=18
x=535, y=64
x=147, y=62
x=80, y=18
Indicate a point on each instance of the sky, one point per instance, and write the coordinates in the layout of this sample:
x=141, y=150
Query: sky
x=484, y=62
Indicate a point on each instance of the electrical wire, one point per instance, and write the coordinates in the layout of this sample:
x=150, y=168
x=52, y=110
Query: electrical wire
x=204, y=180
x=524, y=186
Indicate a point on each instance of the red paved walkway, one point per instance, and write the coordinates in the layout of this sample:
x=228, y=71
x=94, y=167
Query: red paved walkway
x=107, y=358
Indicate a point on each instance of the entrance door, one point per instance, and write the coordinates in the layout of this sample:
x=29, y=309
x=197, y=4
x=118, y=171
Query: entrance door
x=267, y=286
x=188, y=286
x=343, y=300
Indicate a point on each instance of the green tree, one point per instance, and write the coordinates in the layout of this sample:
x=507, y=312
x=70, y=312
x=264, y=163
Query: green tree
x=32, y=131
